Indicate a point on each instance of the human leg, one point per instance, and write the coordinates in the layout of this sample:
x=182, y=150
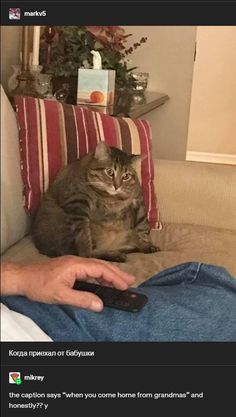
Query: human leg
x=190, y=302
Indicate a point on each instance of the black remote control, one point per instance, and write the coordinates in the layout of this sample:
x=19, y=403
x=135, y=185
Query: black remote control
x=122, y=300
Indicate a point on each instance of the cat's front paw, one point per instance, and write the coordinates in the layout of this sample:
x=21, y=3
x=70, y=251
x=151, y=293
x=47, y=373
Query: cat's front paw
x=150, y=248
x=113, y=256
x=119, y=258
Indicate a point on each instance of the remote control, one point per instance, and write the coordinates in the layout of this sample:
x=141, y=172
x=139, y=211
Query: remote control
x=122, y=300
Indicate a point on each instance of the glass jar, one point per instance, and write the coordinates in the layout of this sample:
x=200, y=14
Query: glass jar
x=141, y=81
x=12, y=81
x=63, y=93
x=44, y=85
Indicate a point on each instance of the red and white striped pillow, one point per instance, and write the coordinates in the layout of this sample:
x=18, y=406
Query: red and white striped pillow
x=53, y=134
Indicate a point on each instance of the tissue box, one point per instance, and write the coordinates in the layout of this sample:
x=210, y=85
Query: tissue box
x=96, y=87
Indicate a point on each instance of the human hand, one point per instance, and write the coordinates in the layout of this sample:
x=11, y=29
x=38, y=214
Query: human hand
x=52, y=281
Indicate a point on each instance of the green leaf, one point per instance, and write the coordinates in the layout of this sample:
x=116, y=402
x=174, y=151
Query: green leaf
x=74, y=48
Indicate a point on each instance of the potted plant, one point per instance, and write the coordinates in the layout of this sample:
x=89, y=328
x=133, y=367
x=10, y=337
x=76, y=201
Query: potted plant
x=71, y=47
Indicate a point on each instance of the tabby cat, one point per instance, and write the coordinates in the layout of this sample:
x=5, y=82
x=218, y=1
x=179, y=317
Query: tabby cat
x=94, y=208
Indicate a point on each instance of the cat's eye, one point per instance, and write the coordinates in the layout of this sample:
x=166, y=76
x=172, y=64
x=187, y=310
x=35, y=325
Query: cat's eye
x=109, y=172
x=126, y=176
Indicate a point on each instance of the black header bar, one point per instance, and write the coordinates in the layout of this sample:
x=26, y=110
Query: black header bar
x=120, y=13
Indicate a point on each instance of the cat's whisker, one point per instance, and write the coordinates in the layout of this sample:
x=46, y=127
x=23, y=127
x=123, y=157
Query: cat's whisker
x=96, y=182
x=92, y=182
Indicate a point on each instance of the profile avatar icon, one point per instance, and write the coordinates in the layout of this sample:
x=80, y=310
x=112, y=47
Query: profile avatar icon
x=14, y=378
x=14, y=13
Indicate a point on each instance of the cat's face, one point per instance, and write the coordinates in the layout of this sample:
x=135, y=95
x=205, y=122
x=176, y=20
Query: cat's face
x=111, y=172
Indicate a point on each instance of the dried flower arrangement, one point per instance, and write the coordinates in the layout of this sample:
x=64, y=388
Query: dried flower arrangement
x=71, y=47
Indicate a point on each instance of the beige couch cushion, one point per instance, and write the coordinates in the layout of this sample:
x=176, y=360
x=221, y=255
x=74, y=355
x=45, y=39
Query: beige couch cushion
x=196, y=193
x=179, y=243
x=14, y=221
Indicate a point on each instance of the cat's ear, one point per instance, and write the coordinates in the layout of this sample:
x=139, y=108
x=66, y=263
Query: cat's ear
x=102, y=151
x=137, y=158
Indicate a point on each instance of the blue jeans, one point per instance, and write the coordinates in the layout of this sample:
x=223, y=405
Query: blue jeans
x=190, y=302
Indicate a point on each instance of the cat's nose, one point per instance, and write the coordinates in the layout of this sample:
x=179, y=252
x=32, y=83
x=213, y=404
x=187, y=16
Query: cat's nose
x=116, y=185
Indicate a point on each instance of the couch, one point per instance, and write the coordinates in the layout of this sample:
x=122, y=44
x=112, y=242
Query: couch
x=197, y=202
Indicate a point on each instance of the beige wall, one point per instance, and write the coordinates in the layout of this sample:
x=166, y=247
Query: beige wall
x=168, y=57
x=212, y=125
x=10, y=51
